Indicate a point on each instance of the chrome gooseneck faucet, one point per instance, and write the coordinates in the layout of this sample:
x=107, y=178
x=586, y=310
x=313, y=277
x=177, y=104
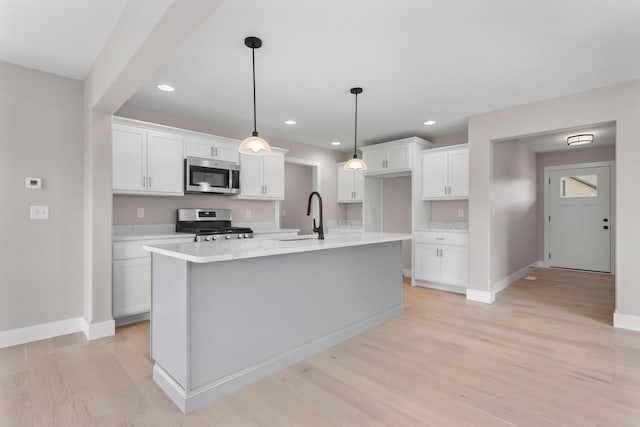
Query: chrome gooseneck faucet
x=320, y=228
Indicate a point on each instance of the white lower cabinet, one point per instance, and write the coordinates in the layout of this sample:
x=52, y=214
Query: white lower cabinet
x=131, y=286
x=441, y=257
x=131, y=281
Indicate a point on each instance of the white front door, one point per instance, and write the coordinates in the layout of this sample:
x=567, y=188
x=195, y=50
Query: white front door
x=580, y=218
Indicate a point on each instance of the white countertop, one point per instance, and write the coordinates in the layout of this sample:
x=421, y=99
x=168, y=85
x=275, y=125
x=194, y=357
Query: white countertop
x=446, y=230
x=274, y=231
x=202, y=252
x=146, y=232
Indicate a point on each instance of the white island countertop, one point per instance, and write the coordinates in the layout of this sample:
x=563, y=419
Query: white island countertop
x=204, y=252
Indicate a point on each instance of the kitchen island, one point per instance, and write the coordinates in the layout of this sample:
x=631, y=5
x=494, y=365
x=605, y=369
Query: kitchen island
x=226, y=314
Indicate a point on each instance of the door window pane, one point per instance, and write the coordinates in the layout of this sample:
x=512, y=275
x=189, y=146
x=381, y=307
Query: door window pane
x=579, y=186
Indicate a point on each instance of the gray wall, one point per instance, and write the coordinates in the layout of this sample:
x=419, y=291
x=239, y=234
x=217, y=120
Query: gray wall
x=41, y=132
x=396, y=211
x=617, y=103
x=515, y=232
x=568, y=157
x=297, y=187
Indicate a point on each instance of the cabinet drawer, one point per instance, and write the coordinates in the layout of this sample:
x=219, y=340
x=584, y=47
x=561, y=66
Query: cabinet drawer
x=442, y=238
x=133, y=248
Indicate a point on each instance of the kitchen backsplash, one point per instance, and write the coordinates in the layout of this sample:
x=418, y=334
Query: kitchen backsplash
x=447, y=210
x=162, y=210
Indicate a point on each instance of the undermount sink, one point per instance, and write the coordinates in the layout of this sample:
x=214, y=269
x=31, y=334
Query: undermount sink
x=294, y=238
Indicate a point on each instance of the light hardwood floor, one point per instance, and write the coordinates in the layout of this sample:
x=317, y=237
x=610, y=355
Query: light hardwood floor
x=544, y=354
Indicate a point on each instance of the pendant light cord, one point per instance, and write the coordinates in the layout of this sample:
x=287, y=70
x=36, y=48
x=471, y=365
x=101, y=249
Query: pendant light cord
x=355, y=136
x=253, y=61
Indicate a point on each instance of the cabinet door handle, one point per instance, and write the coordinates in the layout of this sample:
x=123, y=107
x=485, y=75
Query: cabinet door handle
x=144, y=181
x=439, y=238
x=215, y=150
x=149, y=182
x=212, y=155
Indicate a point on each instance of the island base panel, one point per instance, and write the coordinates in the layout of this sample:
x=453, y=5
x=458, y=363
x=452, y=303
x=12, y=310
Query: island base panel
x=248, y=318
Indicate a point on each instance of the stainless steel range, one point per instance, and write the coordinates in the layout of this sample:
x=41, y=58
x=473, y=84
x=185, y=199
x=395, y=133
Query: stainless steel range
x=210, y=225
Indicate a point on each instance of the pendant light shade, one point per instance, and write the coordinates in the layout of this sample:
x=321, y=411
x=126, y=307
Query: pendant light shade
x=254, y=144
x=356, y=163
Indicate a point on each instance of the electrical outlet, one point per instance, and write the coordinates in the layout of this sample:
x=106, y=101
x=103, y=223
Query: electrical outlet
x=140, y=212
x=247, y=213
x=460, y=213
x=39, y=212
x=284, y=213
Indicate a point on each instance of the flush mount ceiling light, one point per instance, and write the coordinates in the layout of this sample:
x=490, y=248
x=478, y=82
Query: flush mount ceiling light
x=356, y=163
x=336, y=143
x=430, y=123
x=254, y=144
x=165, y=88
x=290, y=122
x=585, y=138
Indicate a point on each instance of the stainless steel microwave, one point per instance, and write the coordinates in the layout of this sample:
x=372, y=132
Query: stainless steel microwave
x=211, y=176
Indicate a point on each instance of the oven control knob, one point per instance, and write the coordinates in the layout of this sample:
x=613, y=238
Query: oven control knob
x=228, y=236
x=247, y=236
x=240, y=236
x=207, y=238
x=214, y=237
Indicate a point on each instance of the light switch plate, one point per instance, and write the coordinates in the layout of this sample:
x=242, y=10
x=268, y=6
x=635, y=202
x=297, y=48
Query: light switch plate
x=460, y=213
x=33, y=183
x=140, y=213
x=39, y=212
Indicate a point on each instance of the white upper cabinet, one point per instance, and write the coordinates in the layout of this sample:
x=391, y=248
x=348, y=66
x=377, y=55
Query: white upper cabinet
x=129, y=159
x=392, y=157
x=211, y=147
x=146, y=162
x=165, y=164
x=262, y=177
x=445, y=173
x=350, y=184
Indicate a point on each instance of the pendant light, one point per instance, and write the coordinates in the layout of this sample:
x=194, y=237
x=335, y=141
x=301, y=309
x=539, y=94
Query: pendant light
x=254, y=144
x=356, y=163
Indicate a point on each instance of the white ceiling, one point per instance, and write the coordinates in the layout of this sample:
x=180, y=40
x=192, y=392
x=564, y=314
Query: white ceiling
x=416, y=60
x=603, y=134
x=57, y=36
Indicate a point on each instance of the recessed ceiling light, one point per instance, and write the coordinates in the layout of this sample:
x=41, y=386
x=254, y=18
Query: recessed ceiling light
x=290, y=122
x=335, y=143
x=430, y=123
x=165, y=88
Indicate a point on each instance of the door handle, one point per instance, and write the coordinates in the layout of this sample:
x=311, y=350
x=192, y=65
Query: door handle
x=606, y=227
x=606, y=219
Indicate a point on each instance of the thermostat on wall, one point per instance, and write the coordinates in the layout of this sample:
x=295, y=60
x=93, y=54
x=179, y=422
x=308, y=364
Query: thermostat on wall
x=33, y=183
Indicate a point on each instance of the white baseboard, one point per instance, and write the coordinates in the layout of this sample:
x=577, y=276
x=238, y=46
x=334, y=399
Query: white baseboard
x=406, y=272
x=40, y=332
x=189, y=401
x=98, y=330
x=505, y=282
x=626, y=321
x=486, y=297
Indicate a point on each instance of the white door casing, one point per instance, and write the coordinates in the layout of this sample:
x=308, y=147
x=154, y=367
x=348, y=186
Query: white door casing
x=578, y=218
